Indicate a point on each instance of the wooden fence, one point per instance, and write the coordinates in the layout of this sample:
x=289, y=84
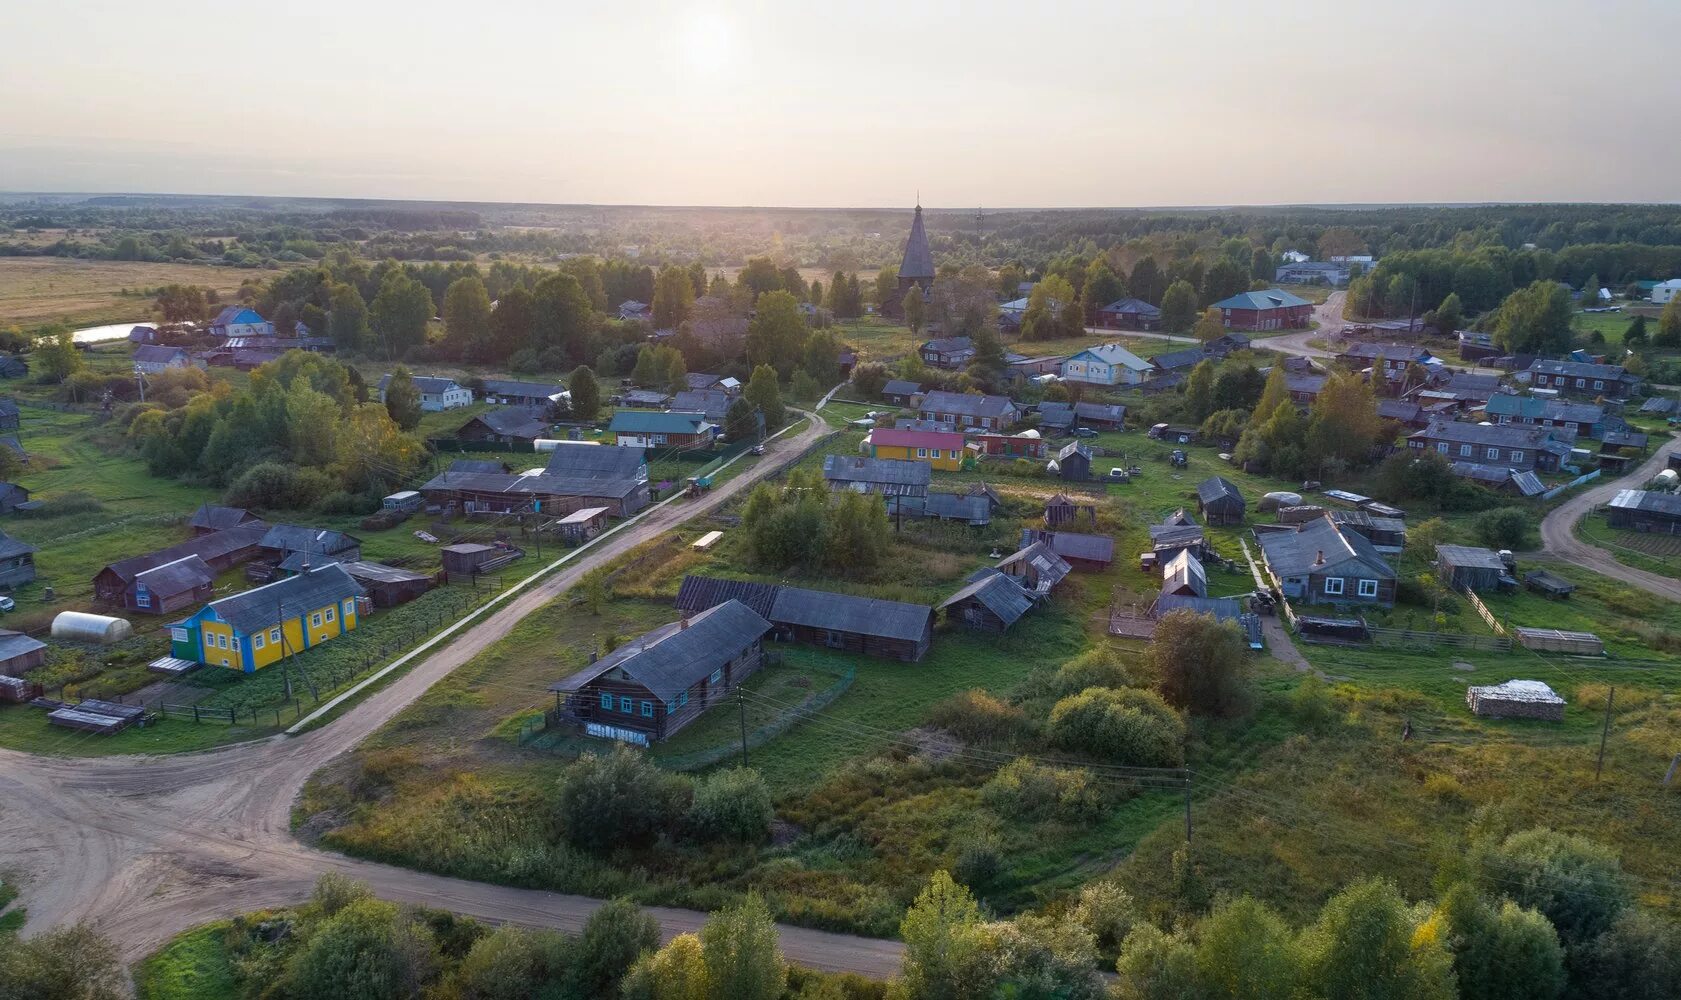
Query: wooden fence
x=1482, y=609
x=1392, y=637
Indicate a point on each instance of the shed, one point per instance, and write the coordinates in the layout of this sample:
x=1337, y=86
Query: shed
x=1184, y=576
x=1073, y=462
x=1086, y=553
x=1035, y=567
x=697, y=593
x=12, y=496
x=1465, y=567
x=19, y=653
x=79, y=626
x=466, y=560
x=1220, y=502
x=388, y=586
x=894, y=630
x=1552, y=640
x=991, y=602
x=1516, y=699
x=583, y=524
x=1062, y=509
x=162, y=590
x=211, y=517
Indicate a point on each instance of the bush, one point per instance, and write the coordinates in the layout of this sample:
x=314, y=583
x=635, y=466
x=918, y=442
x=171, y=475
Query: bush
x=1503, y=528
x=1128, y=725
x=1107, y=912
x=618, y=798
x=978, y=718
x=1037, y=791
x=1201, y=665
x=731, y=805
x=978, y=862
x=276, y=486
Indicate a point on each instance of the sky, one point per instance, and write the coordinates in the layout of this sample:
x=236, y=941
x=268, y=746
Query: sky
x=730, y=102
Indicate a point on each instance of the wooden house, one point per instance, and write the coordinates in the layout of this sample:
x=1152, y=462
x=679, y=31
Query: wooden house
x=437, y=393
x=892, y=630
x=940, y=449
x=12, y=496
x=281, y=541
x=1585, y=379
x=884, y=476
x=1184, y=576
x=239, y=321
x=652, y=686
x=173, y=587
x=20, y=653
x=1107, y=365
x=671, y=429
x=17, y=562
x=477, y=493
x=466, y=560
x=1321, y=563
x=1465, y=567
x=989, y=602
x=388, y=586
x=1645, y=511
x=1502, y=446
x=150, y=359
x=1272, y=309
x=1387, y=534
x=513, y=392
x=1027, y=444
x=1129, y=314
x=1220, y=502
x=210, y=518
x=950, y=353
x=509, y=425
x=902, y=393
x=258, y=627
x=968, y=410
x=219, y=551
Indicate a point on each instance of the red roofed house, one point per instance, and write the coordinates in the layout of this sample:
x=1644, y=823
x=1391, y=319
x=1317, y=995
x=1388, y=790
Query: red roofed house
x=940, y=449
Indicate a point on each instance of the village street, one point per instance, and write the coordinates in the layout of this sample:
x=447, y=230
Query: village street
x=1558, y=529
x=148, y=847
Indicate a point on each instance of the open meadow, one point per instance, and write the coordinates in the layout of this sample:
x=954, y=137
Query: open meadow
x=39, y=290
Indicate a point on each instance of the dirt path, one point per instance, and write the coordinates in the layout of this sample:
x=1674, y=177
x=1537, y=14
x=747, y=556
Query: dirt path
x=146, y=847
x=1558, y=529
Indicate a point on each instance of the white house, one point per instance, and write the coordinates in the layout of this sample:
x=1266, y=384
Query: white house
x=436, y=392
x=1106, y=364
x=1663, y=291
x=1294, y=257
x=238, y=321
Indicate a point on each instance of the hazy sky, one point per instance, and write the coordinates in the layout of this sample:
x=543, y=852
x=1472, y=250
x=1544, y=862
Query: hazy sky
x=1111, y=102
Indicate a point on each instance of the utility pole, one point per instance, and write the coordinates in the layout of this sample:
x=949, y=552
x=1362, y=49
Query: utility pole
x=741, y=706
x=1187, y=807
x=1605, y=733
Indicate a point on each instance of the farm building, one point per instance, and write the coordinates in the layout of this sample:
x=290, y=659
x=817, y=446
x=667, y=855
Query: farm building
x=1027, y=444
x=513, y=425
x=1516, y=700
x=150, y=359
x=971, y=509
x=1055, y=418
x=1086, y=553
x=211, y=518
x=893, y=630
x=1129, y=314
x=1645, y=511
x=1110, y=416
x=388, y=586
x=885, y=476
x=652, y=686
x=512, y=392
x=1223, y=609
x=901, y=393
x=940, y=449
x=1183, y=576
x=1548, y=584
x=584, y=461
x=1273, y=309
x=220, y=551
x=1106, y=365
x=164, y=590
x=10, y=416
x=671, y=429
x=1387, y=534
x=1464, y=567
x=713, y=403
x=1073, y=462
x=12, y=496
x=1220, y=502
x=989, y=602
x=1322, y=563
x=283, y=540
x=466, y=560
x=437, y=393
x=583, y=524
x=17, y=562
x=252, y=630
x=1035, y=567
x=967, y=410
x=1063, y=509
x=492, y=493
x=19, y=653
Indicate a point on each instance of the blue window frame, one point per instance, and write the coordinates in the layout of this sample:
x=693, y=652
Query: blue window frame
x=606, y=701
x=682, y=699
x=717, y=676
x=647, y=710
x=626, y=705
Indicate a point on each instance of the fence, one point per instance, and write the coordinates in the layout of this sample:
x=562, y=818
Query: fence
x=1392, y=637
x=459, y=445
x=1482, y=609
x=766, y=732
x=1572, y=484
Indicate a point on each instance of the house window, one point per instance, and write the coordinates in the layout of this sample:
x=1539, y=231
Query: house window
x=257, y=641
x=606, y=701
x=349, y=606
x=222, y=641
x=1494, y=453
x=1333, y=585
x=315, y=620
x=1579, y=383
x=1599, y=383
x=1368, y=588
x=1517, y=456
x=178, y=635
x=273, y=635
x=682, y=699
x=330, y=613
x=1442, y=446
x=922, y=453
x=1465, y=450
x=670, y=708
x=717, y=676
x=647, y=710
x=626, y=705
x=142, y=598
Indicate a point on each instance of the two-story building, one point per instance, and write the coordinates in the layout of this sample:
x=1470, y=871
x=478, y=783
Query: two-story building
x=1506, y=446
x=254, y=629
x=1106, y=365
x=1273, y=309
x=1581, y=378
x=437, y=393
x=948, y=352
x=940, y=449
x=1129, y=314
x=1323, y=563
x=965, y=410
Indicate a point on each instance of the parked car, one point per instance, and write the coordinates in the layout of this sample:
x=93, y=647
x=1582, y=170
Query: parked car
x=1084, y=432
x=1118, y=474
x=7, y=604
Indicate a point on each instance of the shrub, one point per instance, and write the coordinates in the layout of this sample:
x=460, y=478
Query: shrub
x=1107, y=912
x=976, y=717
x=977, y=863
x=612, y=939
x=1576, y=883
x=731, y=805
x=277, y=486
x=1129, y=725
x=618, y=798
x=1037, y=791
x=1311, y=704
x=333, y=892
x=1100, y=667
x=367, y=951
x=1201, y=665
x=1503, y=527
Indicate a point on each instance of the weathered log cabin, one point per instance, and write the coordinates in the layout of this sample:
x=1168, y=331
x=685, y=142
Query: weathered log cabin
x=892, y=630
x=989, y=602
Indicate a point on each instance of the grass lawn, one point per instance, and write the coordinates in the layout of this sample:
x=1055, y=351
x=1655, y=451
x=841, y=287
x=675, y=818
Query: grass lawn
x=39, y=290
x=193, y=966
x=1653, y=553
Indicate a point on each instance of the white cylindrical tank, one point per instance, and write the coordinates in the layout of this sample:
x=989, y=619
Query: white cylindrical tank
x=79, y=626
x=1668, y=479
x=550, y=444
x=1273, y=501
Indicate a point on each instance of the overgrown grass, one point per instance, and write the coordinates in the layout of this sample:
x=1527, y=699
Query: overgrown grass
x=193, y=966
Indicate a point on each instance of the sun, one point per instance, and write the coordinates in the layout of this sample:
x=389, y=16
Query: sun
x=707, y=43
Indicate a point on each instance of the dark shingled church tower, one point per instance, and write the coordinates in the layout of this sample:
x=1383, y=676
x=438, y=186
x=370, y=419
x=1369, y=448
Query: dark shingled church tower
x=916, y=269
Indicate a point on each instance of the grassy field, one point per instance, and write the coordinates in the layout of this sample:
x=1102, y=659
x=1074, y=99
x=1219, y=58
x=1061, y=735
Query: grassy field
x=193, y=966
x=1653, y=553
x=40, y=290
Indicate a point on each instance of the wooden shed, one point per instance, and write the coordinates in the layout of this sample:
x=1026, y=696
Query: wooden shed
x=1466, y=567
x=893, y=630
x=388, y=586
x=1551, y=585
x=1220, y=502
x=465, y=560
x=19, y=653
x=990, y=602
x=584, y=524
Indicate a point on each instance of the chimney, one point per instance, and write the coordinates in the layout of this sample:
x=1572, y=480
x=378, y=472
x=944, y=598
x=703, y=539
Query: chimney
x=1319, y=558
x=684, y=623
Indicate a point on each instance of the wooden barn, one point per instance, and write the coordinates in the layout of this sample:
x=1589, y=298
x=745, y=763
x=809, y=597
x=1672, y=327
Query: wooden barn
x=1035, y=567
x=1220, y=502
x=388, y=586
x=889, y=629
x=1466, y=567
x=184, y=583
x=210, y=518
x=19, y=653
x=1645, y=511
x=584, y=524
x=1183, y=576
x=1085, y=553
x=466, y=560
x=1073, y=462
x=220, y=551
x=989, y=602
x=657, y=683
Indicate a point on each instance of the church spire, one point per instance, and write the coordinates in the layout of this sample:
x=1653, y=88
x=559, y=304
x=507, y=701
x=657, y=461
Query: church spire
x=918, y=264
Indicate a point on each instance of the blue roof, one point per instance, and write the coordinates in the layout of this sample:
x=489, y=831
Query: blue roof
x=1272, y=298
x=654, y=422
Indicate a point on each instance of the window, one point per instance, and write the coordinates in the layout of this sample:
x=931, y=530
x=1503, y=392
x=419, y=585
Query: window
x=1333, y=585
x=1494, y=453
x=606, y=701
x=625, y=704
x=1368, y=588
x=682, y=699
x=1517, y=456
x=1579, y=383
x=315, y=620
x=177, y=635
x=1442, y=446
x=717, y=676
x=349, y=606
x=1465, y=450
x=922, y=453
x=142, y=597
x=647, y=710
x=222, y=641
x=273, y=635
x=1599, y=383
x=330, y=613
x=257, y=641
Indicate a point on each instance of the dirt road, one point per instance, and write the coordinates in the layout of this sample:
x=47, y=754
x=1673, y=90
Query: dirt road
x=1558, y=529
x=146, y=847
x=1328, y=315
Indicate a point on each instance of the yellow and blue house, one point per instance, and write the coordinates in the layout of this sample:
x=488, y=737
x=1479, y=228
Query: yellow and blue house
x=254, y=629
x=940, y=449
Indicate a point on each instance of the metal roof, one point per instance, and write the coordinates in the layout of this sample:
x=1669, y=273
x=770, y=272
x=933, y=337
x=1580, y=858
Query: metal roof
x=178, y=577
x=949, y=345
x=714, y=403
x=512, y=421
x=963, y=403
x=1073, y=544
x=605, y=461
x=1648, y=501
x=900, y=387
x=1528, y=484
x=1185, y=570
x=918, y=261
x=1272, y=298
x=655, y=422
x=1538, y=408
x=846, y=613
x=997, y=592
x=1499, y=435
x=583, y=515
x=895, y=438
x=1470, y=557
x=157, y=354
x=1299, y=552
x=1387, y=352
x=1132, y=307
x=698, y=593
x=432, y=385
x=676, y=656
x=298, y=538
x=538, y=484
x=219, y=518
x=292, y=597
x=207, y=547
x=372, y=572
x=468, y=466
x=1577, y=369
x=1217, y=488
x=892, y=471
x=15, y=644
x=515, y=387
x=1536, y=692
x=1113, y=354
